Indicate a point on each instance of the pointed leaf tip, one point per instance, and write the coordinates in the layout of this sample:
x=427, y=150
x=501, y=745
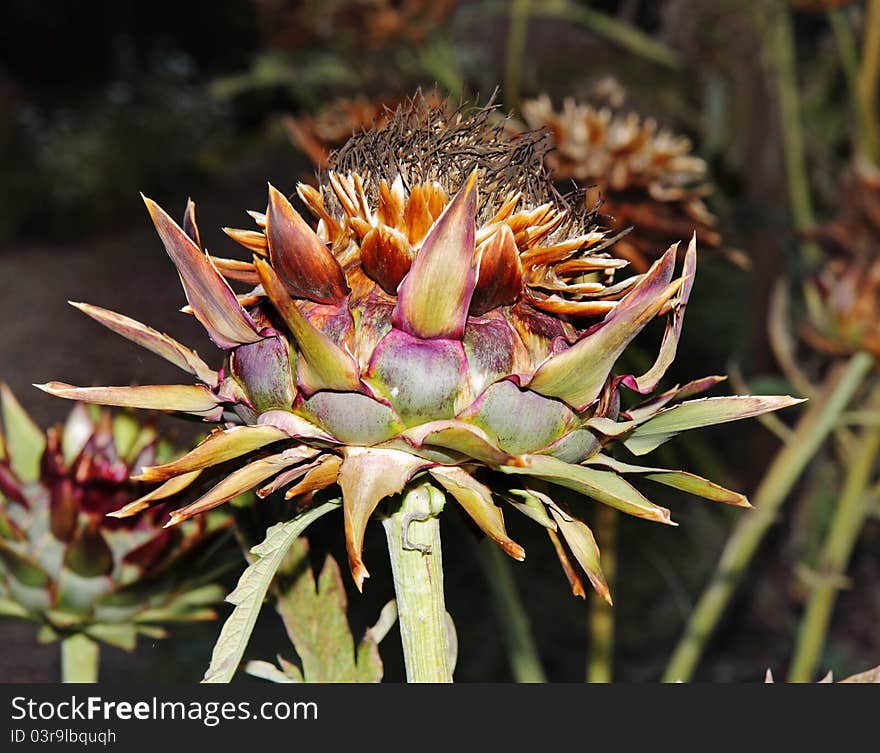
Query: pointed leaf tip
x=302, y=261
x=184, y=398
x=576, y=375
x=147, y=337
x=212, y=300
x=189, y=222
x=322, y=364
x=367, y=476
x=434, y=297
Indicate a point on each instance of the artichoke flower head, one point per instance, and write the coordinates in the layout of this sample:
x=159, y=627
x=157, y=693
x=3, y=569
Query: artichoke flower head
x=68, y=567
x=445, y=316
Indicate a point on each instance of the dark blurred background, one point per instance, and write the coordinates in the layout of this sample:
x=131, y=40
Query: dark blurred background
x=106, y=99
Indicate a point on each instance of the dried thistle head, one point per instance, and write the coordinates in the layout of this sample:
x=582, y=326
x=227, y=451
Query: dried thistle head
x=843, y=297
x=646, y=177
x=855, y=230
x=321, y=133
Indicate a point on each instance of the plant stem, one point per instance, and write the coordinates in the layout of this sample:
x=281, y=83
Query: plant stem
x=869, y=79
x=834, y=557
x=600, y=662
x=413, y=534
x=628, y=37
x=809, y=434
x=849, y=59
x=516, y=632
x=79, y=659
x=516, y=45
x=780, y=49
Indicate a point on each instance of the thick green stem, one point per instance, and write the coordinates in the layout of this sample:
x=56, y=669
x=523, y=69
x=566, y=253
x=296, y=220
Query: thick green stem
x=846, y=525
x=780, y=49
x=413, y=534
x=809, y=434
x=516, y=46
x=600, y=663
x=79, y=659
x=516, y=632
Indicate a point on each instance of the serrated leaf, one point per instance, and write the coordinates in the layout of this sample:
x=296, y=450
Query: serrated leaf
x=251, y=590
x=314, y=615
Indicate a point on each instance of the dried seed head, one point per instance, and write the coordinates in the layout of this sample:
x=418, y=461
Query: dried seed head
x=429, y=141
x=645, y=176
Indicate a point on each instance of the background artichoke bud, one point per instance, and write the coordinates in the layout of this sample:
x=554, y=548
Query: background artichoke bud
x=68, y=566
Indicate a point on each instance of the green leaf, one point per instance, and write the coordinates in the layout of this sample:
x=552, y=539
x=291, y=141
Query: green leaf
x=476, y=499
x=695, y=414
x=9, y=608
x=25, y=442
x=603, y=486
x=251, y=590
x=314, y=615
x=580, y=540
x=686, y=482
x=120, y=636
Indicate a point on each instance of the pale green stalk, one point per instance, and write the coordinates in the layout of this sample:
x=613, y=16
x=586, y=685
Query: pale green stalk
x=846, y=525
x=517, y=32
x=413, y=535
x=629, y=38
x=79, y=659
x=600, y=662
x=513, y=621
x=779, y=47
x=811, y=431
